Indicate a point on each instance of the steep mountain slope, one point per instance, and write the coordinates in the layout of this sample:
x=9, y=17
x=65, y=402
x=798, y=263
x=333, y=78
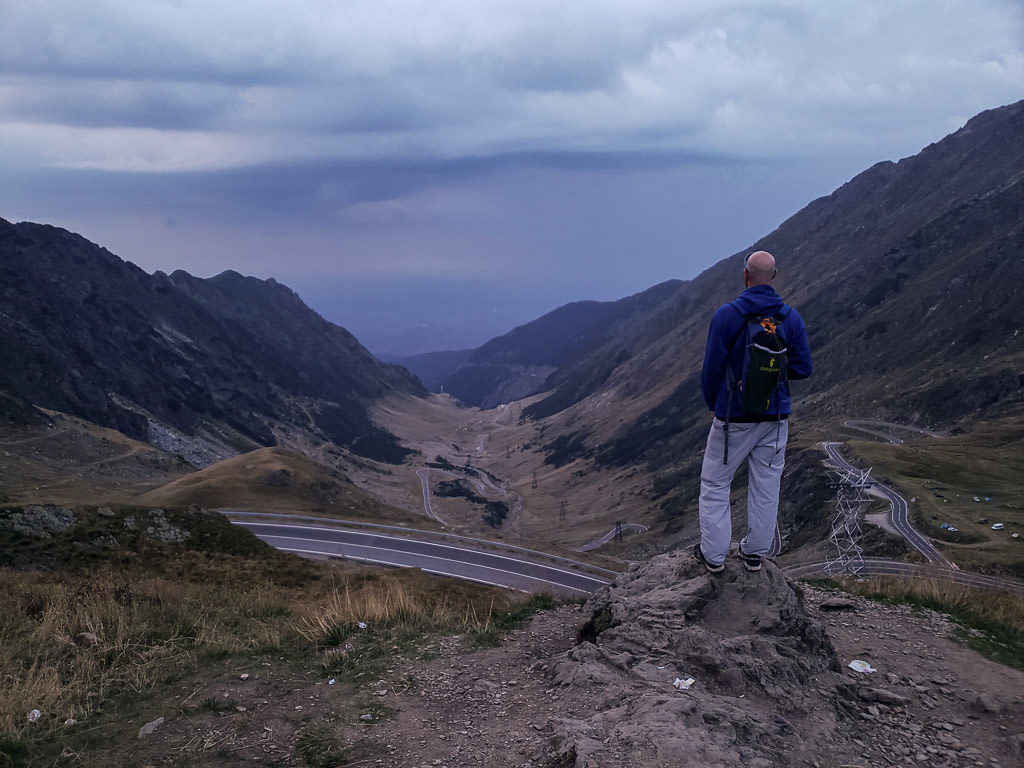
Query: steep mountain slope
x=227, y=359
x=907, y=277
x=517, y=364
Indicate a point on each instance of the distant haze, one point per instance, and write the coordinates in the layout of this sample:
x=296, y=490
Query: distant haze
x=612, y=234
x=429, y=176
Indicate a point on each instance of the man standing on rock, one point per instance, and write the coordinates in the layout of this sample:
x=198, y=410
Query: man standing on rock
x=740, y=431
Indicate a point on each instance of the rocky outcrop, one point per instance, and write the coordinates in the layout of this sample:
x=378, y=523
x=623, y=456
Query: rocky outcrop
x=162, y=530
x=42, y=521
x=687, y=667
x=38, y=520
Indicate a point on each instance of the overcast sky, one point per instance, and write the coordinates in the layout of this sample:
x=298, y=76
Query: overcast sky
x=431, y=174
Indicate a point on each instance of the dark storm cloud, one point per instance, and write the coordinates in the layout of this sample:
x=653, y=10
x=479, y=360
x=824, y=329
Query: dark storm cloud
x=326, y=186
x=92, y=103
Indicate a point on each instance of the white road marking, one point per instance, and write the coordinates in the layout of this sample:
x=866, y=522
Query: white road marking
x=575, y=574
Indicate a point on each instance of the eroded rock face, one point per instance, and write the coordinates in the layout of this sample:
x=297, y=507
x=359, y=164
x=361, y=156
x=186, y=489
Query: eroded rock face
x=39, y=520
x=762, y=670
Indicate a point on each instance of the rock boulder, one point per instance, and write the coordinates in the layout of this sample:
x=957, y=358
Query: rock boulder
x=763, y=670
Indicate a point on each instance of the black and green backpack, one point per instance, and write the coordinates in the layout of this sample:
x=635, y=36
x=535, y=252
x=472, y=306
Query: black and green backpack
x=764, y=359
x=765, y=365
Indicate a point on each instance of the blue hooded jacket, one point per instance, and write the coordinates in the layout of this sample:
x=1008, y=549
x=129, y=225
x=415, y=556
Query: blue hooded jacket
x=726, y=325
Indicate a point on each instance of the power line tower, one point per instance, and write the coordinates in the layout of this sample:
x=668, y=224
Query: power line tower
x=563, y=505
x=851, y=498
x=533, y=481
x=618, y=531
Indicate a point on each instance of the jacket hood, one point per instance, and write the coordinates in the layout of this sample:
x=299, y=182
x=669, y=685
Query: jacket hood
x=760, y=299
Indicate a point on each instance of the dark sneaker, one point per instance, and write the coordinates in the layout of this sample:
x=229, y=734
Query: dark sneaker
x=750, y=562
x=712, y=568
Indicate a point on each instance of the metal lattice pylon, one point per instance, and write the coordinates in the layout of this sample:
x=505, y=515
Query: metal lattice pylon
x=845, y=535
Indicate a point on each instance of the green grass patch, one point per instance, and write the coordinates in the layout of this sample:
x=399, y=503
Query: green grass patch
x=13, y=753
x=321, y=746
x=371, y=622
x=120, y=537
x=366, y=656
x=502, y=620
x=215, y=705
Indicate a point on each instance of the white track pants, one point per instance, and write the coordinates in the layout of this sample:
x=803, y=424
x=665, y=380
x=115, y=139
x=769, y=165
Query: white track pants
x=763, y=446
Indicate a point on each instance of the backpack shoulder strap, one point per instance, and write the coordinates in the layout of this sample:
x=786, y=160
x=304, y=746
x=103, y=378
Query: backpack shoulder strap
x=779, y=317
x=746, y=319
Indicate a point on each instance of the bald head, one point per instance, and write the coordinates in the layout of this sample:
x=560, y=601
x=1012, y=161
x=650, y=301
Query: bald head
x=759, y=268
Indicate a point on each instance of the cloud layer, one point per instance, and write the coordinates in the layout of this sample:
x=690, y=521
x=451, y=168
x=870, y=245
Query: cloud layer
x=524, y=141
x=190, y=85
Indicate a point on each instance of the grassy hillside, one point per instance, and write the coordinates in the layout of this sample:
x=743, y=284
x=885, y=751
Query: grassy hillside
x=66, y=460
x=72, y=462
x=275, y=479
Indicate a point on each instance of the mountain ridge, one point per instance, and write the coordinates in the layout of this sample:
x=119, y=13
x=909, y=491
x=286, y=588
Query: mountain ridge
x=868, y=271
x=223, y=359
x=518, y=363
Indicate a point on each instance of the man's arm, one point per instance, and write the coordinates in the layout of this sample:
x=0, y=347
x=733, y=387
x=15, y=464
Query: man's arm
x=800, y=366
x=716, y=353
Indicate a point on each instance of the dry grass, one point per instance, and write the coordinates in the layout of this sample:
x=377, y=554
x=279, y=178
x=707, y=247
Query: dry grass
x=148, y=630
x=154, y=630
x=992, y=622
x=378, y=600
x=362, y=624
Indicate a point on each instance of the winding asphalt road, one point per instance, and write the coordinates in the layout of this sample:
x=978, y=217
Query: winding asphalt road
x=885, y=429
x=482, y=484
x=512, y=567
x=898, y=512
x=424, y=476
